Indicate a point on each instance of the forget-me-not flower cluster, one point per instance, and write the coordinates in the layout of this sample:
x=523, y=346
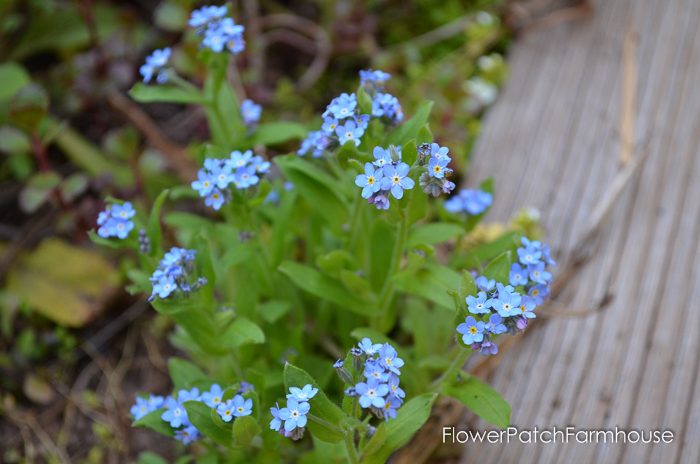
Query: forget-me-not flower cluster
x=155, y=66
x=175, y=413
x=116, y=220
x=498, y=308
x=436, y=159
x=370, y=78
x=251, y=112
x=384, y=105
x=241, y=170
x=379, y=390
x=291, y=420
x=386, y=176
x=175, y=273
x=468, y=201
x=343, y=122
x=218, y=31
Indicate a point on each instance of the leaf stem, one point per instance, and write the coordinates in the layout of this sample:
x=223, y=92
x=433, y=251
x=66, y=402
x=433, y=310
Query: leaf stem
x=384, y=319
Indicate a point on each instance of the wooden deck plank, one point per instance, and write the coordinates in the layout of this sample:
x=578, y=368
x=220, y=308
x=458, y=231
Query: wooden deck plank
x=673, y=289
x=598, y=371
x=578, y=93
x=689, y=449
x=654, y=234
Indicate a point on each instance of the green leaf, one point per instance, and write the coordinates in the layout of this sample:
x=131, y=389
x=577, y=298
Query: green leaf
x=242, y=331
x=325, y=453
x=417, y=206
x=320, y=190
x=334, y=261
x=409, y=130
x=61, y=26
x=150, y=458
x=376, y=443
x=193, y=317
x=349, y=155
x=321, y=406
x=222, y=107
x=409, y=152
x=153, y=421
x=208, y=422
x=13, y=78
x=105, y=242
x=13, y=141
x=191, y=222
x=364, y=101
x=411, y=417
x=431, y=234
x=424, y=135
x=171, y=16
x=324, y=287
x=73, y=186
x=487, y=251
x=153, y=228
x=273, y=133
x=245, y=429
x=184, y=374
x=480, y=398
x=143, y=93
x=381, y=246
x=88, y=157
x=467, y=286
x=273, y=310
x=432, y=282
x=283, y=227
x=355, y=283
x=38, y=190
x=499, y=268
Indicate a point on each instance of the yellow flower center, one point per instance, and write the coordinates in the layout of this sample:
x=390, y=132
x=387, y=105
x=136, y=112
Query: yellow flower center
x=472, y=330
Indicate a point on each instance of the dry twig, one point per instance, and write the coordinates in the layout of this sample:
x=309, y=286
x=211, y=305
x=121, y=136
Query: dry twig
x=174, y=153
x=304, y=27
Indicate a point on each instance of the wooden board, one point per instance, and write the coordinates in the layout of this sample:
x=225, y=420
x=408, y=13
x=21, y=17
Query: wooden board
x=553, y=141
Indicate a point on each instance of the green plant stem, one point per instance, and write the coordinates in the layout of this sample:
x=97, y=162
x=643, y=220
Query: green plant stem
x=350, y=447
x=385, y=316
x=335, y=167
x=183, y=83
x=262, y=257
x=236, y=365
x=460, y=356
x=354, y=221
x=325, y=423
x=214, y=106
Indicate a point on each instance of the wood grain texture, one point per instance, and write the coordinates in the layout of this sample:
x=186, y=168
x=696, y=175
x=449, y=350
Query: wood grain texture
x=553, y=141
